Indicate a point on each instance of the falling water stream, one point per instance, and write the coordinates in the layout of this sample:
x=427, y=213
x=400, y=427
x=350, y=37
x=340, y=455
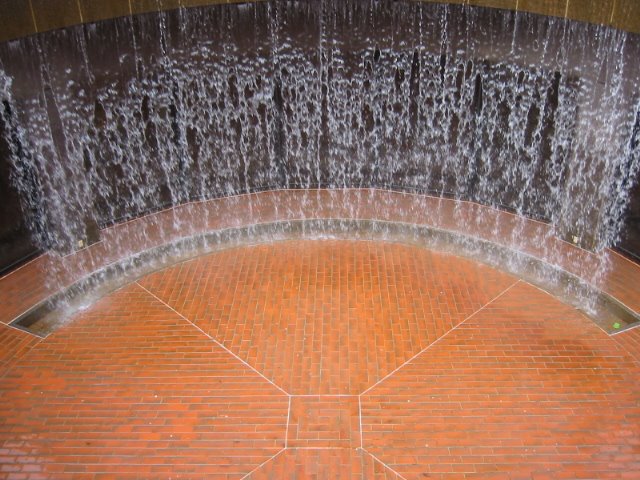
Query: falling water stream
x=534, y=115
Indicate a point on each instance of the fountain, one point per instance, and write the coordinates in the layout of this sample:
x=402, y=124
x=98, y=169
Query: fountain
x=319, y=239
x=138, y=141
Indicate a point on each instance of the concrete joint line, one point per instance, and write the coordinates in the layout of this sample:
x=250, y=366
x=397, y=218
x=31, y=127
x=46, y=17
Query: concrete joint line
x=440, y=338
x=214, y=340
x=263, y=464
x=382, y=463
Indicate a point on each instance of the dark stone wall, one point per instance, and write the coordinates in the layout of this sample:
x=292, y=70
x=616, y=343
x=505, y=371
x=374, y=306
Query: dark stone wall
x=16, y=243
x=629, y=242
x=630, y=239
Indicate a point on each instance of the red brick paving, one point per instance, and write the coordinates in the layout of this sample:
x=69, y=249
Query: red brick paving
x=329, y=317
x=323, y=422
x=321, y=464
x=526, y=388
x=14, y=344
x=132, y=390
x=453, y=370
x=630, y=340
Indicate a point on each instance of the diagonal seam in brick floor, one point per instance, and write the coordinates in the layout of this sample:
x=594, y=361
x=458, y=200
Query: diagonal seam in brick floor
x=442, y=337
x=359, y=408
x=248, y=475
x=123, y=389
x=376, y=459
x=524, y=364
x=286, y=307
x=214, y=340
x=321, y=463
x=629, y=340
x=287, y=446
x=16, y=343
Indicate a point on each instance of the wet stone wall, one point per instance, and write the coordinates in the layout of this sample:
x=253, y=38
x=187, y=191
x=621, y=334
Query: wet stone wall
x=108, y=121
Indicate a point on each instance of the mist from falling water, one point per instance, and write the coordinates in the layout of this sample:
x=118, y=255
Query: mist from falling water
x=530, y=114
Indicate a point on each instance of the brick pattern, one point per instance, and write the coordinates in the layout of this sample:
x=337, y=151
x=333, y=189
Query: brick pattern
x=326, y=317
x=630, y=340
x=323, y=422
x=527, y=388
x=508, y=382
x=324, y=464
x=14, y=344
x=131, y=390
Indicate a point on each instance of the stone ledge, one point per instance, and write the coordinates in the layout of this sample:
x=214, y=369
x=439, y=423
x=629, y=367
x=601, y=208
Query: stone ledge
x=510, y=242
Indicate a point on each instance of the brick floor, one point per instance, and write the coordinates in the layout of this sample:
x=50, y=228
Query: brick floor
x=630, y=340
x=319, y=464
x=322, y=359
x=132, y=390
x=323, y=422
x=14, y=344
x=331, y=317
x=526, y=388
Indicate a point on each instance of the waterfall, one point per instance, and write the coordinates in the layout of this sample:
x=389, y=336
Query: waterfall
x=533, y=115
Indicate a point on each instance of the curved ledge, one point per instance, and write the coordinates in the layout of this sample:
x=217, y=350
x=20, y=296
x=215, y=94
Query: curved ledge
x=33, y=295
x=36, y=16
